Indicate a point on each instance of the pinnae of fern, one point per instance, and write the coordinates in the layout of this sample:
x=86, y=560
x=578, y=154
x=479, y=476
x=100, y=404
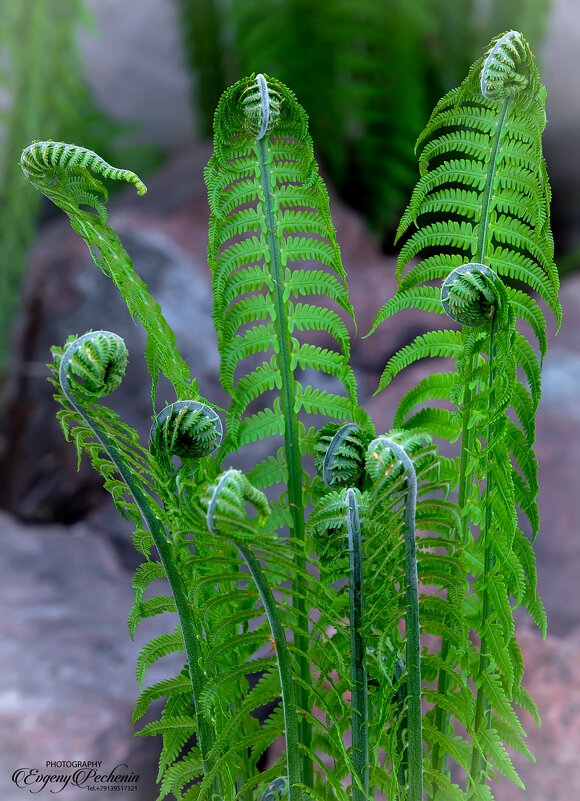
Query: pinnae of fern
x=99, y=359
x=499, y=75
x=186, y=428
x=340, y=454
x=261, y=106
x=468, y=294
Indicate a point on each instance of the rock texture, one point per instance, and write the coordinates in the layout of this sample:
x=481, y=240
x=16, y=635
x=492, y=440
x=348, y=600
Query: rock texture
x=552, y=677
x=67, y=680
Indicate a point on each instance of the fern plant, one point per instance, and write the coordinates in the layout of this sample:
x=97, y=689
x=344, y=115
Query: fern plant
x=327, y=610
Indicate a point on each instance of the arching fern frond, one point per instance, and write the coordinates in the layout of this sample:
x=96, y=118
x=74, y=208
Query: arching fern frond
x=70, y=176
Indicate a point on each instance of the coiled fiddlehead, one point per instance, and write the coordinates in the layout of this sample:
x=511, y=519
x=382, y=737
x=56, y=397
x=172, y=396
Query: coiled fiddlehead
x=226, y=516
x=468, y=294
x=261, y=107
x=276, y=790
x=188, y=429
x=99, y=359
x=386, y=460
x=506, y=68
x=339, y=454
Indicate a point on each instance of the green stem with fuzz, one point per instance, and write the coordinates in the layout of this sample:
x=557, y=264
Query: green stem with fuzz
x=291, y=444
x=442, y=715
x=205, y=733
x=481, y=704
x=284, y=669
x=358, y=673
x=412, y=630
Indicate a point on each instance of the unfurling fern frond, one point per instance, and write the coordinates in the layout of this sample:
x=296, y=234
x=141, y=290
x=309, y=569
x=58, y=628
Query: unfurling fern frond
x=188, y=429
x=88, y=368
x=479, y=219
x=271, y=245
x=386, y=519
x=271, y=241
x=69, y=176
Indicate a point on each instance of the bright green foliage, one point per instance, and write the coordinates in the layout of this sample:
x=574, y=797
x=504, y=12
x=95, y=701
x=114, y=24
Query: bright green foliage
x=340, y=658
x=272, y=243
x=482, y=202
x=367, y=72
x=67, y=174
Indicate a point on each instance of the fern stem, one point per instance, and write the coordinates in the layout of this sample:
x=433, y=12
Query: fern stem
x=359, y=702
x=412, y=630
x=205, y=731
x=481, y=705
x=442, y=716
x=291, y=447
x=284, y=669
x=488, y=191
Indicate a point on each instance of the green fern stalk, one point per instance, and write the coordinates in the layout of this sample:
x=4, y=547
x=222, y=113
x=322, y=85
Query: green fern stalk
x=360, y=701
x=385, y=451
x=291, y=433
x=263, y=157
x=95, y=357
x=241, y=487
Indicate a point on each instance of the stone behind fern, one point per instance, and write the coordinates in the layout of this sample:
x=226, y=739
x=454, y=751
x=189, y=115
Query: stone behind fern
x=67, y=665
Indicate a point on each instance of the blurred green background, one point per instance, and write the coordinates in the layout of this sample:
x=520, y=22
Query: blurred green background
x=138, y=81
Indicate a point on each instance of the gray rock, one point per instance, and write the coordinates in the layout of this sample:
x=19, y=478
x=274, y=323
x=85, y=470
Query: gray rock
x=552, y=677
x=67, y=665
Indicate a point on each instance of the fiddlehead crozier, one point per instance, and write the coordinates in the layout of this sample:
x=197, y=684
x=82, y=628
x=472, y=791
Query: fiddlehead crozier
x=386, y=460
x=261, y=107
x=188, y=429
x=506, y=67
x=277, y=790
x=226, y=516
x=339, y=454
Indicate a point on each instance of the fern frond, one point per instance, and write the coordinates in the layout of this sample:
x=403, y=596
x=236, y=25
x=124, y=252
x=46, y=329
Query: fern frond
x=69, y=176
x=270, y=217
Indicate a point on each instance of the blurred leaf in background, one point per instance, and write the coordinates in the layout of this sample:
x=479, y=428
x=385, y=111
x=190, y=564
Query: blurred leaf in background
x=43, y=95
x=367, y=71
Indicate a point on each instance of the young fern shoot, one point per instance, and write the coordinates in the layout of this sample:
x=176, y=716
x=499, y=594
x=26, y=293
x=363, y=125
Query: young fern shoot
x=480, y=214
x=342, y=660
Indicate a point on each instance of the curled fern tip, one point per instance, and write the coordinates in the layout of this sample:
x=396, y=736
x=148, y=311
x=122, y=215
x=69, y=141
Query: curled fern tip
x=505, y=67
x=261, y=107
x=98, y=359
x=468, y=294
x=187, y=428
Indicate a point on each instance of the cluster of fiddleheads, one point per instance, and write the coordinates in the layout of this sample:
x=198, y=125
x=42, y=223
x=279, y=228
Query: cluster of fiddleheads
x=339, y=660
